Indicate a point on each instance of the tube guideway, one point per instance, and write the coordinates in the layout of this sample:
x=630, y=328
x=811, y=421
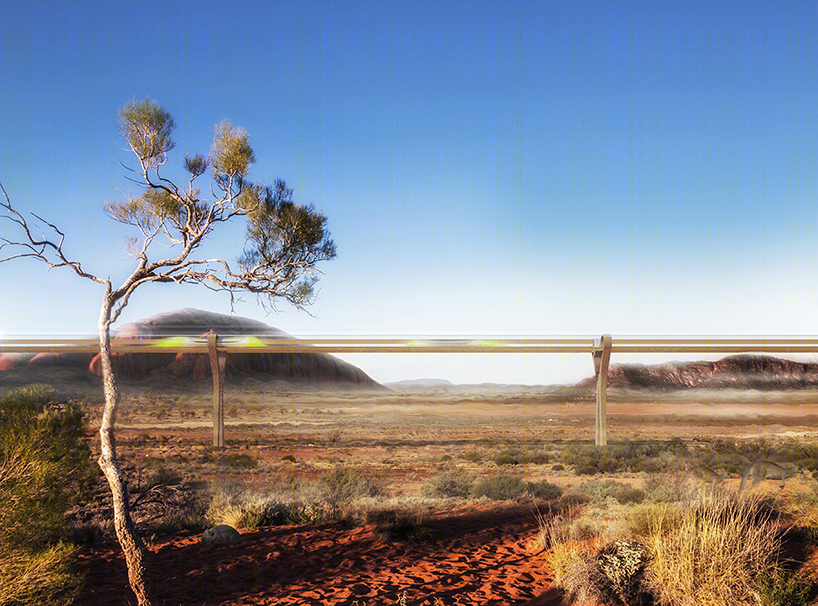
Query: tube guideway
x=218, y=347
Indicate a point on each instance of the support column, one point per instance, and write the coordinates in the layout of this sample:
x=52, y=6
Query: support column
x=218, y=363
x=602, y=358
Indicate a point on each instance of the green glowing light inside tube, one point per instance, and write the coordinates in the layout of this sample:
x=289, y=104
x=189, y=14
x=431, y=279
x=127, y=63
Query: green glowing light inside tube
x=174, y=342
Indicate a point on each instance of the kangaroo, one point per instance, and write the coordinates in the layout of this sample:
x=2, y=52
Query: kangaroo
x=705, y=474
x=761, y=470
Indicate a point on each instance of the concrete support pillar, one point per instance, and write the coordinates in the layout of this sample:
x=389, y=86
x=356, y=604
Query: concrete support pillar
x=218, y=363
x=602, y=358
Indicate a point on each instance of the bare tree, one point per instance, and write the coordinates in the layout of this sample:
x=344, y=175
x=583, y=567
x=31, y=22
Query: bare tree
x=285, y=242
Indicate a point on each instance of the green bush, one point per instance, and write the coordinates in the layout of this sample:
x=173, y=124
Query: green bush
x=601, y=490
x=510, y=457
x=543, y=490
x=41, y=576
x=634, y=456
x=473, y=456
x=341, y=487
x=450, y=483
x=237, y=461
x=500, y=488
x=45, y=468
x=784, y=588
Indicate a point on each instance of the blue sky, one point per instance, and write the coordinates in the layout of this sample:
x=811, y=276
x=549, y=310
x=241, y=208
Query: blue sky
x=493, y=169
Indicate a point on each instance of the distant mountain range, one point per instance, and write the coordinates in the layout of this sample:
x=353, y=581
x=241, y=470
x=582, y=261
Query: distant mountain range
x=760, y=372
x=418, y=383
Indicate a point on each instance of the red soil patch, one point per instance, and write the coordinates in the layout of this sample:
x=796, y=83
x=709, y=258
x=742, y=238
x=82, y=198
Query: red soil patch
x=476, y=556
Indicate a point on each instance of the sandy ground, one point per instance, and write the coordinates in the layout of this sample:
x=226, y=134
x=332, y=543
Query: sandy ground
x=483, y=555
x=479, y=556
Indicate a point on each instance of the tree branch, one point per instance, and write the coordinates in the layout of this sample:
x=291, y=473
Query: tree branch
x=39, y=249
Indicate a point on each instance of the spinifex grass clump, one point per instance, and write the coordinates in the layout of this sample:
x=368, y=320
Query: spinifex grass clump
x=243, y=507
x=706, y=548
x=332, y=496
x=714, y=550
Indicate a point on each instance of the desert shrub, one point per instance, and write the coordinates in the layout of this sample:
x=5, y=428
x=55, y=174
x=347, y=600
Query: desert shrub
x=562, y=527
x=557, y=467
x=500, y=488
x=237, y=461
x=45, y=467
x=734, y=536
x=622, y=564
x=589, y=571
x=543, y=490
x=574, y=499
x=666, y=489
x=539, y=458
x=405, y=524
x=248, y=508
x=473, y=456
x=510, y=457
x=629, y=455
x=730, y=462
x=601, y=490
x=41, y=576
x=648, y=518
x=677, y=447
x=450, y=483
x=341, y=487
x=590, y=460
x=163, y=501
x=649, y=465
x=588, y=469
x=784, y=588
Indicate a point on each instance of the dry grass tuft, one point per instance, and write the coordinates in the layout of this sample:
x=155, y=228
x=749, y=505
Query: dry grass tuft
x=712, y=551
x=38, y=577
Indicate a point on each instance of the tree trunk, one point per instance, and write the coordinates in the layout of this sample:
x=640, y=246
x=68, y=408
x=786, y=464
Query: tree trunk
x=135, y=553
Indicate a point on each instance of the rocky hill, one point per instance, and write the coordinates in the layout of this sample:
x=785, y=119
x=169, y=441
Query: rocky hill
x=759, y=372
x=314, y=370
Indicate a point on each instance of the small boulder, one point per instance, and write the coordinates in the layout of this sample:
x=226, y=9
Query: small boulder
x=223, y=533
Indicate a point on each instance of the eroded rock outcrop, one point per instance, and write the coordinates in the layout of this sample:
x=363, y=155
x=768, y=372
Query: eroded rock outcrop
x=732, y=372
x=314, y=370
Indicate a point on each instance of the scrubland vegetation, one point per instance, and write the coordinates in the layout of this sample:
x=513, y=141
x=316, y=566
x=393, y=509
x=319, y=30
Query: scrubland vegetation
x=45, y=466
x=622, y=525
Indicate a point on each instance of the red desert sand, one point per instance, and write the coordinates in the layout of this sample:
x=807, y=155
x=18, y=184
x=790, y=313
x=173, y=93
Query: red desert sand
x=485, y=555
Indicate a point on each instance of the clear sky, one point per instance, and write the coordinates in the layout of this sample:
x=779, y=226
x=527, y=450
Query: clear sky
x=492, y=169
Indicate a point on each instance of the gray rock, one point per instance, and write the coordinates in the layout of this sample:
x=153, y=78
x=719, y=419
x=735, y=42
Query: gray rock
x=223, y=533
